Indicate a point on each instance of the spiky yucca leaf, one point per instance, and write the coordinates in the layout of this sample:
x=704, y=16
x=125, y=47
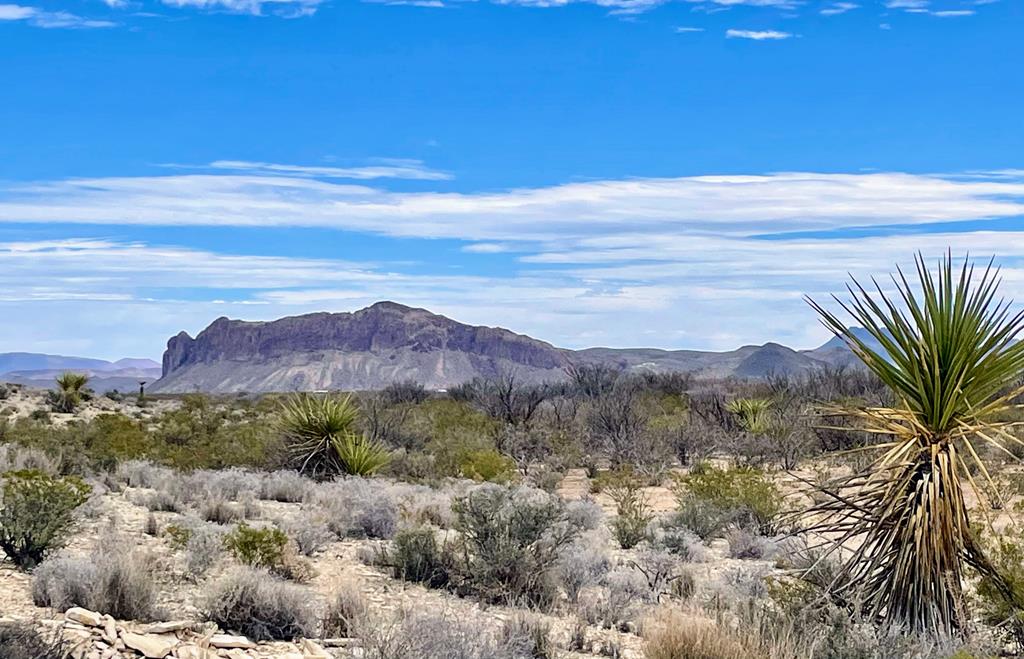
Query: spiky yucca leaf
x=901, y=526
x=360, y=455
x=753, y=413
x=312, y=425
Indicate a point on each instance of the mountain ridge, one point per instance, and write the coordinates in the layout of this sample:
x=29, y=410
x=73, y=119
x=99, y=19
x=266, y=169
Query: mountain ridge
x=388, y=341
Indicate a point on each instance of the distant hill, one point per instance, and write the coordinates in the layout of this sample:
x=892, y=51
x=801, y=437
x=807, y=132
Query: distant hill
x=385, y=342
x=39, y=371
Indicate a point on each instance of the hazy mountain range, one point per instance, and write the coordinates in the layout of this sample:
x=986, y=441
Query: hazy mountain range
x=38, y=370
x=372, y=347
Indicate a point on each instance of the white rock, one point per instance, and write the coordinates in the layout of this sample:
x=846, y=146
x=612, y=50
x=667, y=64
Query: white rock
x=312, y=650
x=84, y=616
x=166, y=627
x=229, y=641
x=191, y=651
x=109, y=630
x=154, y=647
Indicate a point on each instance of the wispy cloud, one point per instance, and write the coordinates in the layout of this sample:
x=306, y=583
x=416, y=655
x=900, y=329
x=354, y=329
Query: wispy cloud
x=686, y=29
x=733, y=204
x=383, y=168
x=49, y=19
x=839, y=8
x=758, y=35
x=953, y=13
x=283, y=8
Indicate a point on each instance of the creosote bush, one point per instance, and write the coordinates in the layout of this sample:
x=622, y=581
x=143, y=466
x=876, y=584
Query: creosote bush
x=257, y=547
x=260, y=606
x=346, y=613
x=737, y=496
x=37, y=513
x=415, y=555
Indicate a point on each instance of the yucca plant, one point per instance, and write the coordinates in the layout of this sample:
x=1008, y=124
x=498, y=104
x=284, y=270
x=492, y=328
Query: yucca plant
x=360, y=455
x=322, y=439
x=752, y=413
x=901, y=527
x=71, y=389
x=311, y=425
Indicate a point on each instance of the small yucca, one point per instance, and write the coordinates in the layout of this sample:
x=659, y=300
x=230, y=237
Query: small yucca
x=901, y=527
x=71, y=389
x=360, y=456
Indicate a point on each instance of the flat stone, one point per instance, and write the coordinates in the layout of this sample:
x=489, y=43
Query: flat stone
x=227, y=641
x=191, y=651
x=167, y=627
x=312, y=650
x=235, y=653
x=109, y=630
x=151, y=645
x=84, y=616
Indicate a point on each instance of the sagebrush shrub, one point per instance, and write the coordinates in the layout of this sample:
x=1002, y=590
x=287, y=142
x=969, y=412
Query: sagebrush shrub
x=581, y=563
x=110, y=580
x=422, y=634
x=36, y=514
x=511, y=537
x=285, y=486
x=309, y=531
x=357, y=507
x=260, y=606
x=346, y=612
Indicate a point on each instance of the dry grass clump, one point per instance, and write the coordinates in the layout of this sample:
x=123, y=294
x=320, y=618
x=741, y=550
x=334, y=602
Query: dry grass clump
x=357, y=507
x=110, y=580
x=262, y=607
x=419, y=634
x=284, y=486
x=674, y=635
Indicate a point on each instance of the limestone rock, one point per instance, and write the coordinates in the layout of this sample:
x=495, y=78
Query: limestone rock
x=150, y=645
x=84, y=616
x=167, y=627
x=227, y=641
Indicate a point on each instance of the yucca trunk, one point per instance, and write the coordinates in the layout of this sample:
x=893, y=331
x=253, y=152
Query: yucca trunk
x=911, y=570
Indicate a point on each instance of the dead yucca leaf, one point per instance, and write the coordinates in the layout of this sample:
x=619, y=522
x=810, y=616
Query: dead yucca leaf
x=950, y=355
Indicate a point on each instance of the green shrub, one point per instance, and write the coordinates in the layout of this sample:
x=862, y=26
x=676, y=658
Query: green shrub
x=36, y=513
x=415, y=556
x=740, y=495
x=511, y=539
x=256, y=547
x=997, y=605
x=634, y=515
x=487, y=465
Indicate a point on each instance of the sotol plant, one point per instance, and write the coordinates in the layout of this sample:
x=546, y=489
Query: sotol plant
x=950, y=355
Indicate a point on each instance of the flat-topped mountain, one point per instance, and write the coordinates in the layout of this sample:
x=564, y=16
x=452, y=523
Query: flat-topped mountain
x=366, y=349
x=372, y=347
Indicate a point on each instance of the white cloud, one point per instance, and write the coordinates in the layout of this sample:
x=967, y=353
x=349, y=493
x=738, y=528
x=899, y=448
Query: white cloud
x=757, y=35
x=385, y=168
x=284, y=8
x=16, y=12
x=732, y=204
x=686, y=29
x=49, y=19
x=700, y=262
x=953, y=13
x=839, y=8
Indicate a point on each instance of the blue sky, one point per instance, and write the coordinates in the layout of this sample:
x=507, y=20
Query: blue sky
x=621, y=172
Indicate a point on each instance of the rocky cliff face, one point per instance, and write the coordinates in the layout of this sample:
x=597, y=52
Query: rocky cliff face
x=366, y=349
x=371, y=348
